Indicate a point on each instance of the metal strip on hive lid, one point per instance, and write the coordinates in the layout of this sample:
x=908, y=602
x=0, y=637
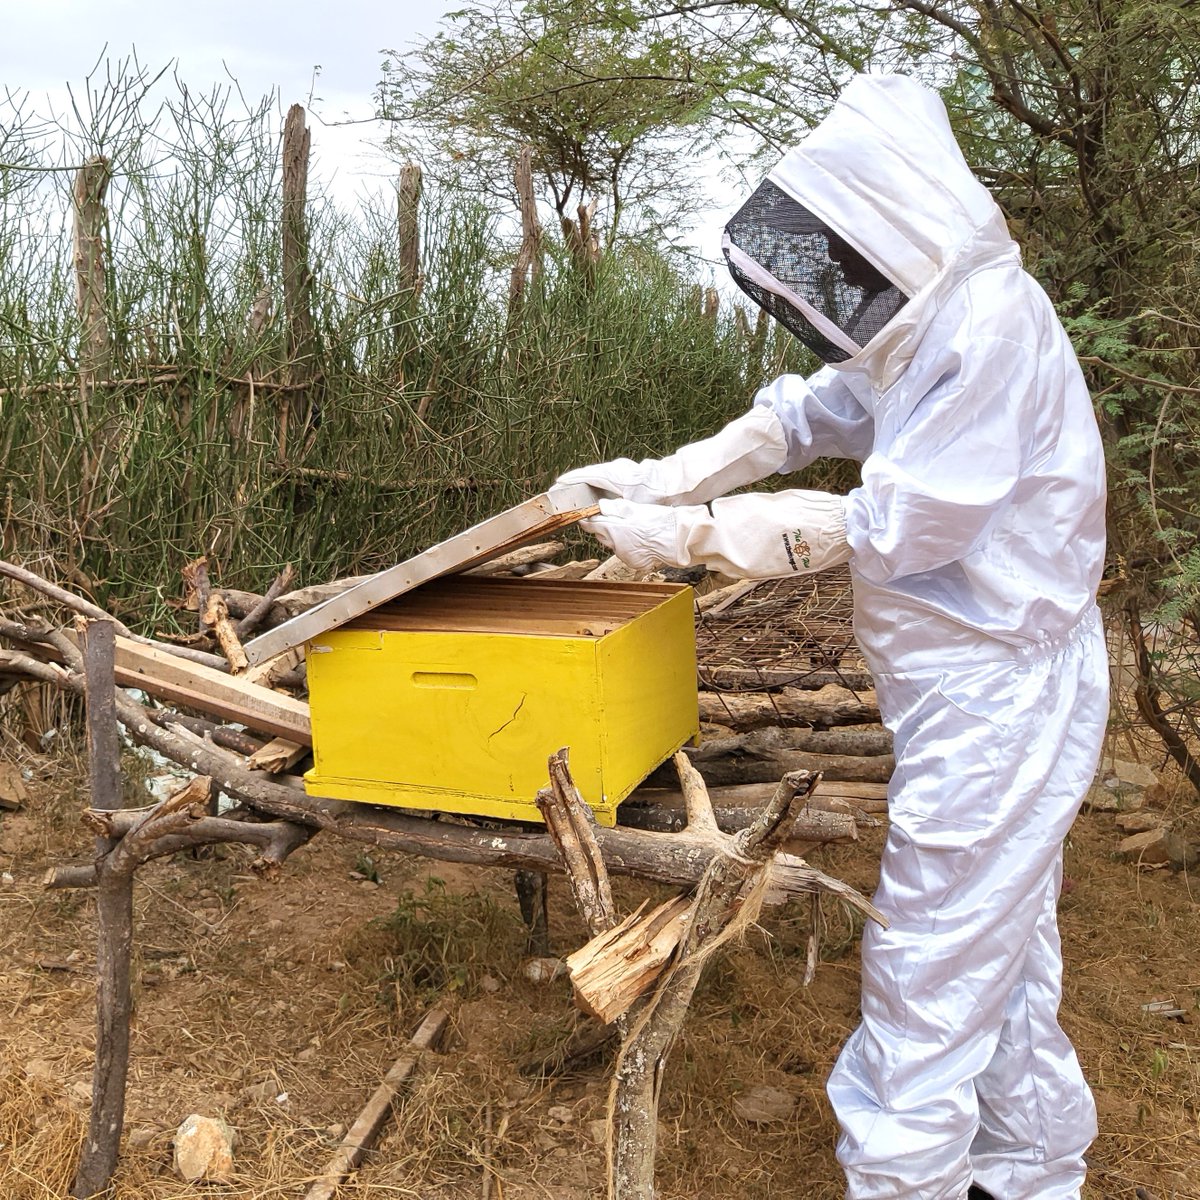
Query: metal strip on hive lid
x=528, y=521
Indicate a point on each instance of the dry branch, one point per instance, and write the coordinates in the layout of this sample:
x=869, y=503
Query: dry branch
x=87, y=609
x=254, y=618
x=365, y=1129
x=216, y=618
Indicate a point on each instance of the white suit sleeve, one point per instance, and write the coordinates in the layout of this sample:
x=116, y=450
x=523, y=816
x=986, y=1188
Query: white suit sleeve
x=821, y=418
x=931, y=498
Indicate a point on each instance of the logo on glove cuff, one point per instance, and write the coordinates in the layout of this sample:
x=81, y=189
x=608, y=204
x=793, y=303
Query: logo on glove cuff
x=802, y=548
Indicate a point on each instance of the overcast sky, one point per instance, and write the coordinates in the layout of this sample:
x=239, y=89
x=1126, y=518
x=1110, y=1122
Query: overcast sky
x=266, y=45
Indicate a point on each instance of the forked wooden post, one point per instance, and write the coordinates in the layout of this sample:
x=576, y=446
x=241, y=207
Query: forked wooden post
x=408, y=232
x=651, y=1026
x=95, y=343
x=114, y=906
x=529, y=258
x=297, y=273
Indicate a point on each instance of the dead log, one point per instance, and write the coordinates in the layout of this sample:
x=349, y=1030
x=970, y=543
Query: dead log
x=820, y=709
x=221, y=735
x=195, y=580
x=655, y=1026
x=771, y=679
x=762, y=743
x=724, y=772
x=865, y=797
x=216, y=618
x=361, y=1137
x=408, y=262
x=529, y=258
x=661, y=811
x=521, y=557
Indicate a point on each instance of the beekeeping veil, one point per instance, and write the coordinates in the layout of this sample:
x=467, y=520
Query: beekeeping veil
x=862, y=230
x=811, y=279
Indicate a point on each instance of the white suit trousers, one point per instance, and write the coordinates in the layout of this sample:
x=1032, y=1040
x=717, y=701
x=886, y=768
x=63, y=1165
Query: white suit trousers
x=959, y=1071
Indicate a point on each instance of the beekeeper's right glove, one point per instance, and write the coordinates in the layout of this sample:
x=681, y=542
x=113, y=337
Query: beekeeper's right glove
x=749, y=537
x=745, y=451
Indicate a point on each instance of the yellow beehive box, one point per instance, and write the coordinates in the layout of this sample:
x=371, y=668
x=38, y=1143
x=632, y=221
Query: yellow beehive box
x=455, y=695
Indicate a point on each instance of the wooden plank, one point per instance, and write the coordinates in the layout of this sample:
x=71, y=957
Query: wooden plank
x=528, y=521
x=277, y=755
x=168, y=677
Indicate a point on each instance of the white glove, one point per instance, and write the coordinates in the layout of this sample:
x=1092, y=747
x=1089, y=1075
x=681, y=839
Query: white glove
x=757, y=536
x=745, y=451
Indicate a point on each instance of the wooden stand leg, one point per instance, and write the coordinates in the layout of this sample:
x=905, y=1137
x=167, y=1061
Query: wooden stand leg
x=531, y=895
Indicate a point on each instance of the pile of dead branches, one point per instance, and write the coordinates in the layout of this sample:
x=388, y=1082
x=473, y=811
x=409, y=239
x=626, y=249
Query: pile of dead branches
x=244, y=736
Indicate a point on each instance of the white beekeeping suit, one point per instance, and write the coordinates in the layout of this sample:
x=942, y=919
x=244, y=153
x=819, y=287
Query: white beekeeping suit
x=975, y=542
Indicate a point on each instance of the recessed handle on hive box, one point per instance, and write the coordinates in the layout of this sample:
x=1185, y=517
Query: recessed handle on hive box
x=458, y=680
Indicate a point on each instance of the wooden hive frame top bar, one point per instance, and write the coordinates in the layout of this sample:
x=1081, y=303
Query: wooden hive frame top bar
x=565, y=608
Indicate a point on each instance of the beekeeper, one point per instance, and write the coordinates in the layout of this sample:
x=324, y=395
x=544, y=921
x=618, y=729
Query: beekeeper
x=975, y=541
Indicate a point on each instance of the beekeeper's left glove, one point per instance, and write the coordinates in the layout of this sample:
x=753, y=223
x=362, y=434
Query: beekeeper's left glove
x=749, y=537
x=745, y=451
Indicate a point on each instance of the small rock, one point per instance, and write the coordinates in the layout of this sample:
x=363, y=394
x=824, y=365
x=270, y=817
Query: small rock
x=764, y=1105
x=489, y=984
x=598, y=1132
x=1137, y=822
x=1156, y=796
x=1101, y=799
x=141, y=1137
x=204, y=1149
x=544, y=970
x=307, y=1054
x=80, y=1092
x=1182, y=854
x=1148, y=849
x=337, y=965
x=335, y=1133
x=560, y=1113
x=7, y=879
x=261, y=1091
x=1137, y=774
x=40, y=1068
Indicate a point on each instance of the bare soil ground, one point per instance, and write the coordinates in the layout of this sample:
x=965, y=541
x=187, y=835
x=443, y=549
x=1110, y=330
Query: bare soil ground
x=279, y=1006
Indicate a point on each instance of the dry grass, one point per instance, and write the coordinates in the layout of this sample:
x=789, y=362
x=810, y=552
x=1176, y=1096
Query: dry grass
x=280, y=1007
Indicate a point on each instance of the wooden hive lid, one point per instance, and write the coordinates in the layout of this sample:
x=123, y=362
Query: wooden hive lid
x=526, y=522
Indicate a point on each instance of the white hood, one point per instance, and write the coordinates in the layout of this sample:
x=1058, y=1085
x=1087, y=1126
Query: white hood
x=884, y=171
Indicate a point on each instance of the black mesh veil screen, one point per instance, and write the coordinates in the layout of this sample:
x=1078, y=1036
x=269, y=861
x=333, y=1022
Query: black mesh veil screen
x=789, y=246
